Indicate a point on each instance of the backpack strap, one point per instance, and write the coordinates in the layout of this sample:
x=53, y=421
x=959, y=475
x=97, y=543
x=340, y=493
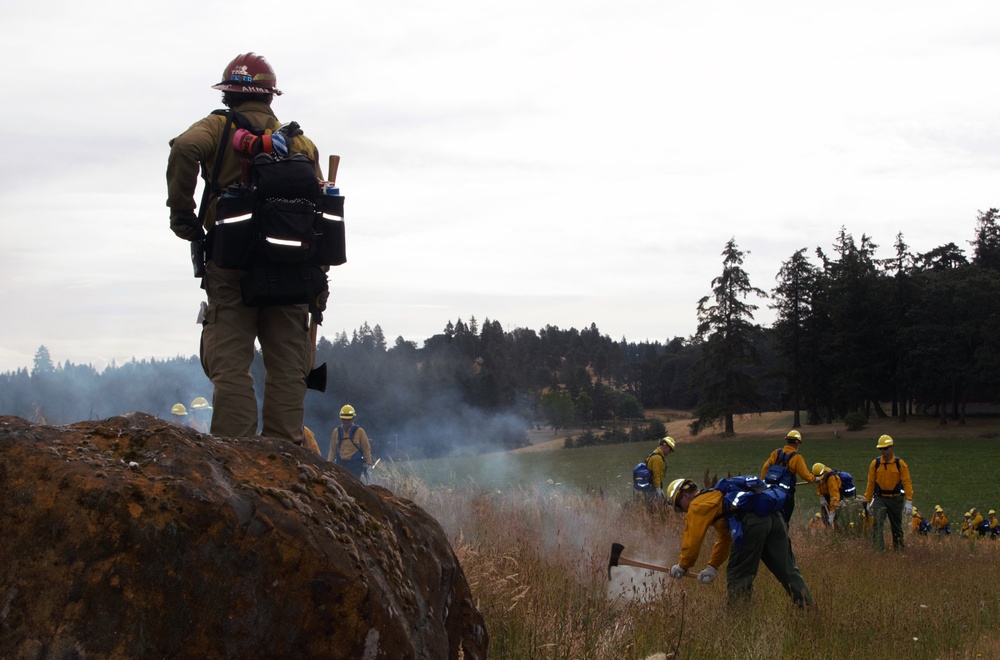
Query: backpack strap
x=340, y=438
x=898, y=489
x=782, y=459
x=212, y=183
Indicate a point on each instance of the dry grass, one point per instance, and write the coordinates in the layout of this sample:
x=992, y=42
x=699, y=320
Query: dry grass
x=537, y=562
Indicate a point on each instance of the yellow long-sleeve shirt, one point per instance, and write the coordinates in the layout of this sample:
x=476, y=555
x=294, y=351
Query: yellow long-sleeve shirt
x=657, y=464
x=828, y=486
x=704, y=512
x=796, y=464
x=889, y=478
x=939, y=520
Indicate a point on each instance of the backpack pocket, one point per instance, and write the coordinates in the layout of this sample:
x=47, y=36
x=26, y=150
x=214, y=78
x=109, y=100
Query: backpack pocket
x=288, y=231
x=781, y=476
x=768, y=501
x=736, y=531
x=267, y=285
x=331, y=241
x=231, y=238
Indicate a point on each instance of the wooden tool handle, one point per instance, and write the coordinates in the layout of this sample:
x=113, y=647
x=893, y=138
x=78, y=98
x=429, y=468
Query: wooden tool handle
x=332, y=170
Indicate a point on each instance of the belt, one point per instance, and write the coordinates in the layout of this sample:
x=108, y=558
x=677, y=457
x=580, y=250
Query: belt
x=891, y=495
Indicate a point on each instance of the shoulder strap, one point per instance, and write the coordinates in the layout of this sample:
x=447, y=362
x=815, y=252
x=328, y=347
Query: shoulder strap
x=212, y=185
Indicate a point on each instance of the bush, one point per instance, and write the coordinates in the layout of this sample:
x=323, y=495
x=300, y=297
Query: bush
x=855, y=421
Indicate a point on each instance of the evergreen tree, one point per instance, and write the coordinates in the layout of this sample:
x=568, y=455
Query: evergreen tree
x=43, y=362
x=728, y=338
x=793, y=300
x=986, y=252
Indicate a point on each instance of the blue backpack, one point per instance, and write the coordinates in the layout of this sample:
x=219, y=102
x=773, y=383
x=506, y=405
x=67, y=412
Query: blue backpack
x=779, y=474
x=847, y=488
x=744, y=494
x=642, y=476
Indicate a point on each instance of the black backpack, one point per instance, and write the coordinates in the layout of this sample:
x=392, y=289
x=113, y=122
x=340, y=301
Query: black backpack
x=276, y=224
x=277, y=214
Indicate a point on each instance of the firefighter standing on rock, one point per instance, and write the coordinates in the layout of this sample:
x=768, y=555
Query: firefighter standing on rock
x=229, y=327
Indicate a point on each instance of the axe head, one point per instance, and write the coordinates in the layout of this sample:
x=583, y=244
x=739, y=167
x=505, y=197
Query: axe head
x=616, y=553
x=316, y=379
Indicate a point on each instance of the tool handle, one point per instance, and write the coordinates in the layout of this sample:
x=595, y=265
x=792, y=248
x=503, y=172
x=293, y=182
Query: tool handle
x=332, y=169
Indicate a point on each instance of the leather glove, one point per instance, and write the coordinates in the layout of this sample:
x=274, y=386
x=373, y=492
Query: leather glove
x=829, y=518
x=660, y=497
x=677, y=572
x=321, y=300
x=823, y=501
x=908, y=508
x=708, y=574
x=185, y=224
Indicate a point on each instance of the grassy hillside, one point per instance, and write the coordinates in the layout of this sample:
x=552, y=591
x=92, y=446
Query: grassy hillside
x=954, y=466
x=533, y=531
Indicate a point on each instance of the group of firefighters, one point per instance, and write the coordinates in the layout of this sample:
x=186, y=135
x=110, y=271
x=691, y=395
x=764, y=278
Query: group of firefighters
x=974, y=524
x=763, y=537
x=349, y=444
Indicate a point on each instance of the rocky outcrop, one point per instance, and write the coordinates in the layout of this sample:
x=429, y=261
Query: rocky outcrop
x=131, y=537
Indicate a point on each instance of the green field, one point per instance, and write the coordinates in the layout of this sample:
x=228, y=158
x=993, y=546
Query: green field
x=957, y=473
x=533, y=531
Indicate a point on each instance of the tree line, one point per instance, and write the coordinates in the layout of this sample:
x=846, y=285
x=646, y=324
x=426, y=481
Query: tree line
x=915, y=333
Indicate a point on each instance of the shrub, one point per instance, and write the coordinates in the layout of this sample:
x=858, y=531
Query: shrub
x=855, y=421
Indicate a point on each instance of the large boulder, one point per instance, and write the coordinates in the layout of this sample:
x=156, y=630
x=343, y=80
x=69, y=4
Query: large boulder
x=131, y=537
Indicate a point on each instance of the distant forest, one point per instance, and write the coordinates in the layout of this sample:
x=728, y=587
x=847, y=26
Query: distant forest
x=905, y=335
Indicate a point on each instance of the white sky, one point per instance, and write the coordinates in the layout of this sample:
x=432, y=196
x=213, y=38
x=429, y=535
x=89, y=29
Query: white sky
x=534, y=163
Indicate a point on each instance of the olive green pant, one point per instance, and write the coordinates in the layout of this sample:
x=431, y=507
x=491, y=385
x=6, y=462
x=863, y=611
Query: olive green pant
x=227, y=347
x=765, y=539
x=891, y=507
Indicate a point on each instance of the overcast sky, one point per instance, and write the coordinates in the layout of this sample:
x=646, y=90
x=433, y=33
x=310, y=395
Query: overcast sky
x=560, y=163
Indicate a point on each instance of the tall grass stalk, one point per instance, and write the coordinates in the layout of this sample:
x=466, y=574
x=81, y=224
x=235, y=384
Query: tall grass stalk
x=537, y=561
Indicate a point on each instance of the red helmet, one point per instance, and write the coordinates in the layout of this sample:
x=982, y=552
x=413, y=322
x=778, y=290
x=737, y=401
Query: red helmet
x=249, y=73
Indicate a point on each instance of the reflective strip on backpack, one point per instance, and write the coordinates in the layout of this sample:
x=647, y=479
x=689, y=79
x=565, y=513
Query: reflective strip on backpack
x=229, y=221
x=284, y=242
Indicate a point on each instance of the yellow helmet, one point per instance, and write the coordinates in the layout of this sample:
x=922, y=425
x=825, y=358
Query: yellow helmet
x=938, y=509
x=200, y=403
x=347, y=412
x=883, y=442
x=675, y=488
x=817, y=515
x=818, y=469
x=794, y=435
x=968, y=514
x=669, y=442
x=178, y=409
x=915, y=513
x=992, y=512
